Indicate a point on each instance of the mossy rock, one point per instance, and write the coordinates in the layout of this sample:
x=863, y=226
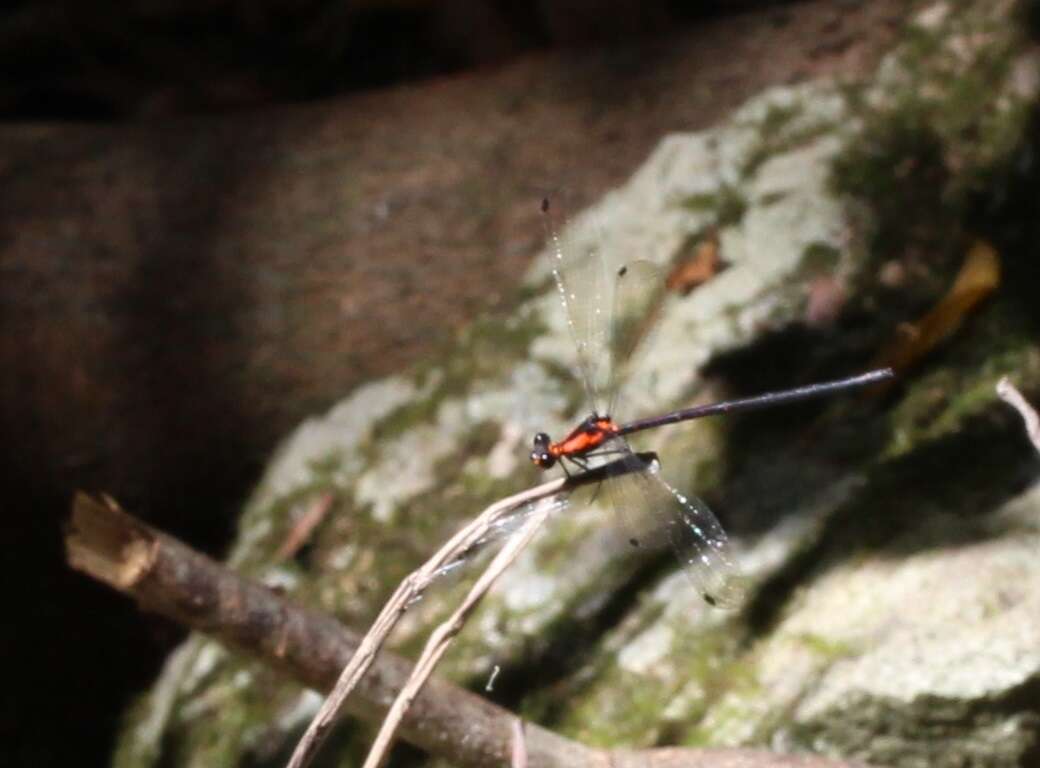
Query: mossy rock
x=889, y=541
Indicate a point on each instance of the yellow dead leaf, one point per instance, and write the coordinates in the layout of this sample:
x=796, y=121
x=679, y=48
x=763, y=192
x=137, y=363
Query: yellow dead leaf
x=978, y=278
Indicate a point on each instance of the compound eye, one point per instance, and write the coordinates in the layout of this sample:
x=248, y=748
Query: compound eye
x=543, y=459
x=541, y=441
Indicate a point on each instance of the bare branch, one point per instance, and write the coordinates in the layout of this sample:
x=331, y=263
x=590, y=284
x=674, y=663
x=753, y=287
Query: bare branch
x=1010, y=395
x=169, y=578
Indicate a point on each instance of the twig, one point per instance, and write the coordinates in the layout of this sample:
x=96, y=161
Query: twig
x=305, y=526
x=442, y=636
x=168, y=577
x=409, y=589
x=414, y=585
x=1010, y=395
x=519, y=757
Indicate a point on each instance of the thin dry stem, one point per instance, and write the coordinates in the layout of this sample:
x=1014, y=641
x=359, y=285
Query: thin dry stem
x=442, y=636
x=1010, y=395
x=414, y=585
x=518, y=757
x=165, y=576
x=409, y=589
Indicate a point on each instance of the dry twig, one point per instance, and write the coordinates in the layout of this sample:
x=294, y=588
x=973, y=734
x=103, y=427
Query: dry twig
x=441, y=637
x=410, y=589
x=169, y=578
x=1010, y=395
x=165, y=576
x=414, y=585
x=305, y=526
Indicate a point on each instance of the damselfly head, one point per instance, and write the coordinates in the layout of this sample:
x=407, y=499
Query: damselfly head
x=540, y=454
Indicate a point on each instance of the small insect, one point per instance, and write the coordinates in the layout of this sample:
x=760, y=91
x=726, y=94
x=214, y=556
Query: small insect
x=604, y=313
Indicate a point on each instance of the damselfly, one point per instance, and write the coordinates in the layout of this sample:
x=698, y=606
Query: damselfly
x=606, y=309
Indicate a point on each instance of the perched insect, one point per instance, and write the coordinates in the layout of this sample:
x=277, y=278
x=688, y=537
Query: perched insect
x=603, y=309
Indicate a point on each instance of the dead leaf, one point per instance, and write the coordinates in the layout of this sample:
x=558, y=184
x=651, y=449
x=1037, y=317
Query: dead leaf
x=701, y=267
x=978, y=278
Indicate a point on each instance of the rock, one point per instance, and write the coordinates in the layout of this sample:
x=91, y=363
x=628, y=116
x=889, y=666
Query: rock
x=888, y=543
x=178, y=294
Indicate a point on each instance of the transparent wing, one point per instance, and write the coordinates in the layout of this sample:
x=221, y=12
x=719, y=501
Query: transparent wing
x=500, y=530
x=638, y=290
x=609, y=306
x=584, y=288
x=653, y=513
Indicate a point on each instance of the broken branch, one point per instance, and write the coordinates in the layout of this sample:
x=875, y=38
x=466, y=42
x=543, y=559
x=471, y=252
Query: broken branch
x=167, y=577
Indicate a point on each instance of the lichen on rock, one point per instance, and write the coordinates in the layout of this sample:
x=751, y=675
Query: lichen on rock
x=895, y=594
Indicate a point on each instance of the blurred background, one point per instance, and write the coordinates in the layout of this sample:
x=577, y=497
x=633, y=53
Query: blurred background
x=217, y=218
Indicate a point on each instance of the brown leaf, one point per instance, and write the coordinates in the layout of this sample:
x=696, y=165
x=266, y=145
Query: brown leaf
x=978, y=278
x=701, y=267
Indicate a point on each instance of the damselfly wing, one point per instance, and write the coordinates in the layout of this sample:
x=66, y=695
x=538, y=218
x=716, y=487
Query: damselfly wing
x=609, y=308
